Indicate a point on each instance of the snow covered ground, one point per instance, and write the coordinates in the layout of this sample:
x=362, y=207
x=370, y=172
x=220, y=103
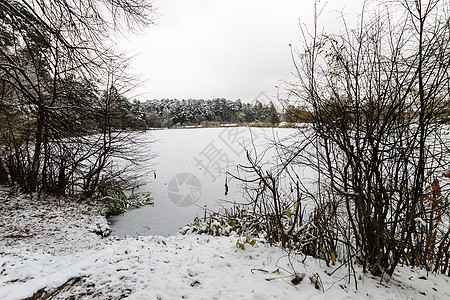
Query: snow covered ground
x=55, y=247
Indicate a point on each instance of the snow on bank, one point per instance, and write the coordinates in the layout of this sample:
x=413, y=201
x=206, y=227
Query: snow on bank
x=49, y=224
x=55, y=247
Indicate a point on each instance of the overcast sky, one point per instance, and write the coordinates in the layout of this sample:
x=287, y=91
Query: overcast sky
x=204, y=49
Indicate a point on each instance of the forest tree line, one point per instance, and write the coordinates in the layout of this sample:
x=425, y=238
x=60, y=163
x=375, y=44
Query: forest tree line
x=174, y=112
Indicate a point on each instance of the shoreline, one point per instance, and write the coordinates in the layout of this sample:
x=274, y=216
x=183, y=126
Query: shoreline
x=54, y=248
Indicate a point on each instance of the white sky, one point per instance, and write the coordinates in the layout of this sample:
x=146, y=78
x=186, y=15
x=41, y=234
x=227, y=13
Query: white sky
x=204, y=49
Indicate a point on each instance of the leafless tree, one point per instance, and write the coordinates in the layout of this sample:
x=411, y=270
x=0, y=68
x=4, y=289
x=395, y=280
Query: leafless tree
x=375, y=97
x=55, y=57
x=376, y=94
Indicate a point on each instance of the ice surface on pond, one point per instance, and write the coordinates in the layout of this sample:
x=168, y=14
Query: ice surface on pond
x=190, y=170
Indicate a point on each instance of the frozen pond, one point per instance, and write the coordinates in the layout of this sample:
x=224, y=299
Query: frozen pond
x=190, y=172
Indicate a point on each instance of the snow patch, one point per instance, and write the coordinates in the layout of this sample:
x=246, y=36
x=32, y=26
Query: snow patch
x=48, y=245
